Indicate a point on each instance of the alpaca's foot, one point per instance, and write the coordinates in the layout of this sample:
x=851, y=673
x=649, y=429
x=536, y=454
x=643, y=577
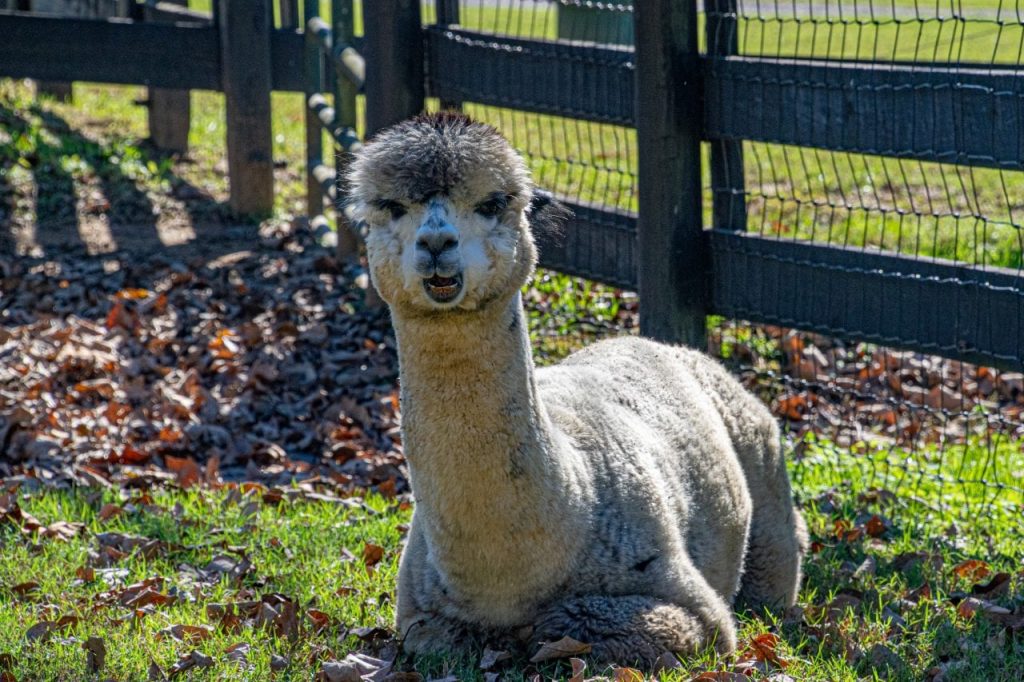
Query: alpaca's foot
x=434, y=633
x=633, y=630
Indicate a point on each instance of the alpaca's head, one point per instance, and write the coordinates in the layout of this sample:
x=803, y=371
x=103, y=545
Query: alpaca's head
x=446, y=203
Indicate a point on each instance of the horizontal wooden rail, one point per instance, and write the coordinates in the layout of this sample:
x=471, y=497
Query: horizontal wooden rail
x=595, y=243
x=929, y=112
x=587, y=82
x=286, y=59
x=975, y=314
x=183, y=56
x=951, y=113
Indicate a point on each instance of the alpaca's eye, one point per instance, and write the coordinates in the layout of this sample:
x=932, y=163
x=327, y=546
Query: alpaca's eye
x=396, y=209
x=492, y=207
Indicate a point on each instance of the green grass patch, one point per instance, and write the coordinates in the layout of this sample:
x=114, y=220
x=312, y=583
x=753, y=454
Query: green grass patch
x=879, y=599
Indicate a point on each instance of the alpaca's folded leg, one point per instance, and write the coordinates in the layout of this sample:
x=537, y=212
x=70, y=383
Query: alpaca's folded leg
x=778, y=537
x=634, y=629
x=771, y=570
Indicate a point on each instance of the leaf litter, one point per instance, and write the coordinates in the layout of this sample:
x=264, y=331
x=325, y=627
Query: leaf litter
x=136, y=370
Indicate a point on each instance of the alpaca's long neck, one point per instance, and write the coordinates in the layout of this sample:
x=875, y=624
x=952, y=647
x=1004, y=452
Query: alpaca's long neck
x=488, y=474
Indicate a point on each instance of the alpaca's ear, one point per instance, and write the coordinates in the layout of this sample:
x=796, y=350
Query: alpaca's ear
x=546, y=214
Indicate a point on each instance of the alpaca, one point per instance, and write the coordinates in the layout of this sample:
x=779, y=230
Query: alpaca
x=623, y=497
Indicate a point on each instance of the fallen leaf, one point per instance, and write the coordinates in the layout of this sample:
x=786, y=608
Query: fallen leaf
x=372, y=554
x=491, y=658
x=973, y=569
x=239, y=653
x=627, y=675
x=95, y=654
x=319, y=619
x=762, y=648
x=287, y=622
x=875, y=526
x=186, y=470
x=563, y=648
x=970, y=606
x=21, y=589
x=187, y=634
x=109, y=511
x=371, y=634
x=40, y=631
x=188, y=661
x=62, y=530
x=998, y=585
x=578, y=668
x=337, y=671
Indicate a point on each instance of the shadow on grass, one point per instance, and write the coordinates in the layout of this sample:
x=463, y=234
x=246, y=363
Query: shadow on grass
x=105, y=196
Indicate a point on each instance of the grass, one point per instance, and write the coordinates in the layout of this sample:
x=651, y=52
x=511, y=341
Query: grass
x=311, y=552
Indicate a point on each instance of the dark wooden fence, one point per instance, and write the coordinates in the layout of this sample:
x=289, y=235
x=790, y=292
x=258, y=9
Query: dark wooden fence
x=677, y=96
x=163, y=45
x=674, y=93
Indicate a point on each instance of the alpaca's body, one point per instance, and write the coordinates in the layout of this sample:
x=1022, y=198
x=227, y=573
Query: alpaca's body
x=621, y=497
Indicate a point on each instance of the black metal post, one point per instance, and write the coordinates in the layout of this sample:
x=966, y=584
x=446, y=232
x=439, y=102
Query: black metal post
x=729, y=205
x=674, y=262
x=395, y=87
x=245, y=64
x=448, y=15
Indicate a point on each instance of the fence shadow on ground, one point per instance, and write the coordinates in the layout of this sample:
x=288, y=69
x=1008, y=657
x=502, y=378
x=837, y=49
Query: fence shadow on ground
x=63, y=192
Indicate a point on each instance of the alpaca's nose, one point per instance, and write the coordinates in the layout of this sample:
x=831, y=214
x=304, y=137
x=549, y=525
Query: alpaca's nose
x=437, y=240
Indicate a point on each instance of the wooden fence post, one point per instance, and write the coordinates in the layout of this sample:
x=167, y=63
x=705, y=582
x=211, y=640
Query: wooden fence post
x=170, y=111
x=674, y=262
x=245, y=64
x=728, y=201
x=393, y=43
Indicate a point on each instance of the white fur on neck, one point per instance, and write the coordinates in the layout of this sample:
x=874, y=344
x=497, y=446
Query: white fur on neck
x=496, y=502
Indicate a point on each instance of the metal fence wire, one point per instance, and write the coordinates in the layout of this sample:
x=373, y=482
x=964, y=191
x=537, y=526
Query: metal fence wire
x=936, y=177
x=884, y=141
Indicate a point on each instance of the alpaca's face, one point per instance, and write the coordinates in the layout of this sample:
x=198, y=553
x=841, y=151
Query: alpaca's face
x=445, y=203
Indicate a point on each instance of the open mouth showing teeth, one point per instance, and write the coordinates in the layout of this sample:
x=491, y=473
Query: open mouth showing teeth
x=443, y=289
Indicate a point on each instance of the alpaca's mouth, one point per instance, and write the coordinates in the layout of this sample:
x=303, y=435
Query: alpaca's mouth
x=443, y=289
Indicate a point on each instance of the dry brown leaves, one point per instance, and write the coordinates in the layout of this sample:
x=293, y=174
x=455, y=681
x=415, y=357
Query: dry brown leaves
x=845, y=389
x=142, y=370
x=566, y=647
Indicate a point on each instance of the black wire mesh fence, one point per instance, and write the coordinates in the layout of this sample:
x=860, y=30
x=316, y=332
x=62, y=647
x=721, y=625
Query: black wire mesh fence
x=863, y=183
x=911, y=118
